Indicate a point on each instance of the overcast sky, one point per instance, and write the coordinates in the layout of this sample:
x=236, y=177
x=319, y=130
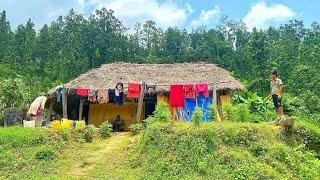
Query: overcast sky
x=180, y=13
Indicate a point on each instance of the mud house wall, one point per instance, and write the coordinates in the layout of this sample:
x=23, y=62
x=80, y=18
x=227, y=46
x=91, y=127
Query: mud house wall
x=98, y=113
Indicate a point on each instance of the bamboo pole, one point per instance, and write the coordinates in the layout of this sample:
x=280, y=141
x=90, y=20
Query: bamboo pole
x=140, y=103
x=81, y=108
x=64, y=103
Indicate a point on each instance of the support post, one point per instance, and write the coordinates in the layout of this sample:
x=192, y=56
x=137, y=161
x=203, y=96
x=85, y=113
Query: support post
x=81, y=108
x=214, y=99
x=64, y=103
x=50, y=109
x=140, y=102
x=214, y=93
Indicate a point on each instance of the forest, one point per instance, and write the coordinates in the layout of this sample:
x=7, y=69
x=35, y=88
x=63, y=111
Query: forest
x=35, y=60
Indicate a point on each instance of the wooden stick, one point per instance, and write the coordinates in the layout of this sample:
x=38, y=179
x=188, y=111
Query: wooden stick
x=140, y=103
x=81, y=108
x=64, y=103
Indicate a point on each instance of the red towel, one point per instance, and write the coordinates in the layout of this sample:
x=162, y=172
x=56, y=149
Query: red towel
x=202, y=88
x=82, y=92
x=189, y=91
x=134, y=90
x=176, y=95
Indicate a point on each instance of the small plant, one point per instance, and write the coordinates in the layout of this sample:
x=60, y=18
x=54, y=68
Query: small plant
x=88, y=133
x=105, y=129
x=136, y=128
x=65, y=134
x=161, y=114
x=242, y=112
x=197, y=116
x=45, y=153
x=228, y=112
x=213, y=112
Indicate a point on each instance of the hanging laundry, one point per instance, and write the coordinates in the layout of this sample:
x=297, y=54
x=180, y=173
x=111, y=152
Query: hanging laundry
x=82, y=92
x=180, y=113
x=151, y=88
x=176, y=95
x=134, y=90
x=204, y=103
x=189, y=106
x=202, y=88
x=58, y=90
x=118, y=94
x=189, y=91
x=118, y=89
x=103, y=96
x=92, y=96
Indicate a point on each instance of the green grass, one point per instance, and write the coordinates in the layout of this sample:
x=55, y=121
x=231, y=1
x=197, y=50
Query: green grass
x=223, y=151
x=226, y=150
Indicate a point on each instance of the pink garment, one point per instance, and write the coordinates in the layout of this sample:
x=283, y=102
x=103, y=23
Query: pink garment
x=202, y=88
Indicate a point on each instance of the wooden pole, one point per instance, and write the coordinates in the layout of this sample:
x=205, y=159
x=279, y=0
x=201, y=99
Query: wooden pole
x=64, y=103
x=214, y=98
x=81, y=108
x=214, y=93
x=140, y=102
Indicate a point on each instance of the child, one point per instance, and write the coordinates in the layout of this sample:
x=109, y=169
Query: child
x=276, y=92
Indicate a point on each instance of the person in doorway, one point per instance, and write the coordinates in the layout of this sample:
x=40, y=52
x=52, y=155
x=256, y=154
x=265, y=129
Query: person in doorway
x=36, y=108
x=276, y=92
x=118, y=124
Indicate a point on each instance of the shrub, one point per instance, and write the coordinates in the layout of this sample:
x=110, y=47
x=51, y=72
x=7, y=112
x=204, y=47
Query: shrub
x=88, y=133
x=197, y=116
x=228, y=111
x=45, y=153
x=105, y=129
x=65, y=134
x=136, y=128
x=213, y=112
x=161, y=114
x=242, y=112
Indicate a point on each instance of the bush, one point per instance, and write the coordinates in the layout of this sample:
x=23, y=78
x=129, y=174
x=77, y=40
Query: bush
x=161, y=114
x=213, y=112
x=88, y=132
x=241, y=113
x=45, y=153
x=220, y=150
x=65, y=133
x=197, y=116
x=105, y=129
x=136, y=128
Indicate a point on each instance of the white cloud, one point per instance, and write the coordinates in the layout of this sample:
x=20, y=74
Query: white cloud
x=261, y=16
x=165, y=14
x=206, y=16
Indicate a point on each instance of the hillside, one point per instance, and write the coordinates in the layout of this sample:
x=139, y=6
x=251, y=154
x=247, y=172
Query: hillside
x=174, y=151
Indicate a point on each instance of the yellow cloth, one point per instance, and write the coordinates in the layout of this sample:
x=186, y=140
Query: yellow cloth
x=38, y=102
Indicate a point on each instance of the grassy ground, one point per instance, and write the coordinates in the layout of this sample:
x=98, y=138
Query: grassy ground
x=102, y=159
x=171, y=151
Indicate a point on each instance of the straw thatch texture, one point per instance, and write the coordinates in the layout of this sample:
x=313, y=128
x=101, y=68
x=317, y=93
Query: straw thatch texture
x=162, y=75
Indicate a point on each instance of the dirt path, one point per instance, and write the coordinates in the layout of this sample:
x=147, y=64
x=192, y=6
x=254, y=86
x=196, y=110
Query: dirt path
x=102, y=159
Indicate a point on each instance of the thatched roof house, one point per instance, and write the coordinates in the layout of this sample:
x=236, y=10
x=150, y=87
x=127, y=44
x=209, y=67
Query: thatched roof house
x=159, y=74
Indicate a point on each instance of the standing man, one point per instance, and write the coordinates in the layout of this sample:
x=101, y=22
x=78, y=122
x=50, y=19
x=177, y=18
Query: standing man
x=276, y=92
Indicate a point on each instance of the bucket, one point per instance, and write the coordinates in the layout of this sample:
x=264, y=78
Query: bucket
x=65, y=123
x=80, y=124
x=29, y=124
x=55, y=124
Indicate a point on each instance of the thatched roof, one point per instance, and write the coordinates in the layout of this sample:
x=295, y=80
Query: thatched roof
x=162, y=75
